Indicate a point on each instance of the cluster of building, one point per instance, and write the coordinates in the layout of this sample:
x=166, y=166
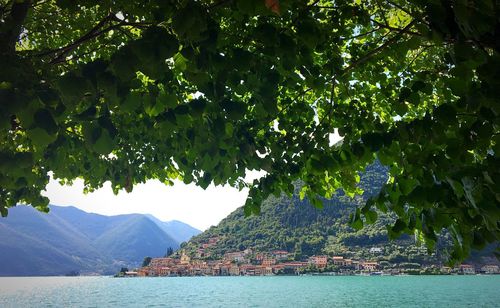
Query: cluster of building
x=247, y=263
x=468, y=269
x=233, y=264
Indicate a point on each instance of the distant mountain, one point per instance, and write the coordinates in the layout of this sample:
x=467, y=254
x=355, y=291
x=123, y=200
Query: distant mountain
x=179, y=231
x=296, y=226
x=70, y=240
x=135, y=238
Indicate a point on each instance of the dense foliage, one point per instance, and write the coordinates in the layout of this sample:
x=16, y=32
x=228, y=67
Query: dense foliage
x=296, y=226
x=202, y=91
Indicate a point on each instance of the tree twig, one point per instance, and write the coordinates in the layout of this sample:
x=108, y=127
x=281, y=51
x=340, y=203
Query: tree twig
x=375, y=51
x=92, y=33
x=362, y=34
x=385, y=26
x=401, y=8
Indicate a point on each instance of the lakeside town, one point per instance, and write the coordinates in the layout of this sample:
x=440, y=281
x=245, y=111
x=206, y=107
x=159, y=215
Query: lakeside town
x=280, y=262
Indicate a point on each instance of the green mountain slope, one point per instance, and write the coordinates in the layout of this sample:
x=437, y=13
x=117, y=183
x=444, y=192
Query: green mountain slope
x=296, y=226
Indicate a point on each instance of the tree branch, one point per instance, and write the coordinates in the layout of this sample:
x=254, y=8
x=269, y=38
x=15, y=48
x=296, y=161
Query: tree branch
x=401, y=8
x=92, y=33
x=362, y=34
x=375, y=51
x=381, y=25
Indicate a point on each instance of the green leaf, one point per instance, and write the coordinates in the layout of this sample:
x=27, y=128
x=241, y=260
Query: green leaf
x=72, y=88
x=229, y=129
x=43, y=119
x=132, y=102
x=374, y=141
x=40, y=137
x=399, y=226
x=104, y=143
x=404, y=94
x=355, y=220
x=168, y=100
x=180, y=62
x=371, y=216
x=446, y=114
x=406, y=186
x=125, y=64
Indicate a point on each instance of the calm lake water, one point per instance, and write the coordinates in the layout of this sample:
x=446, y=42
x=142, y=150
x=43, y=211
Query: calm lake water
x=305, y=291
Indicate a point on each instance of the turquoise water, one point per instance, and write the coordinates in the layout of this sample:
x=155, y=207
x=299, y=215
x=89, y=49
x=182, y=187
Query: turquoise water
x=305, y=291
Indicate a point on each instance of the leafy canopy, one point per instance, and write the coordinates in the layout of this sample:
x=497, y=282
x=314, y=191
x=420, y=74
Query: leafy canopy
x=202, y=91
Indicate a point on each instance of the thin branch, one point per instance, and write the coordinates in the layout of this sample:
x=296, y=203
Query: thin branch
x=313, y=4
x=401, y=8
x=362, y=34
x=90, y=34
x=327, y=7
x=375, y=51
x=66, y=59
x=382, y=12
x=288, y=106
x=385, y=26
x=330, y=108
x=217, y=4
x=125, y=33
x=425, y=47
x=93, y=33
x=410, y=13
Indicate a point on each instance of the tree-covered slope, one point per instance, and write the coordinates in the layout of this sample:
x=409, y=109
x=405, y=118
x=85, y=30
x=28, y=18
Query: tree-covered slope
x=296, y=226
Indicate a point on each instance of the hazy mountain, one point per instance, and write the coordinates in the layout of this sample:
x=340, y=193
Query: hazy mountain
x=23, y=255
x=180, y=231
x=135, y=238
x=68, y=239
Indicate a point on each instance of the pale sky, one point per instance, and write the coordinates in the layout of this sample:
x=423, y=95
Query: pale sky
x=187, y=203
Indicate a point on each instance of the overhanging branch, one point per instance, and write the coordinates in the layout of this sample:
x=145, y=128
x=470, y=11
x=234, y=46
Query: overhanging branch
x=375, y=51
x=96, y=31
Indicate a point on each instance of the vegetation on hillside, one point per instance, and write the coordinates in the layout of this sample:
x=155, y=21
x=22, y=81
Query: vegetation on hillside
x=303, y=230
x=203, y=91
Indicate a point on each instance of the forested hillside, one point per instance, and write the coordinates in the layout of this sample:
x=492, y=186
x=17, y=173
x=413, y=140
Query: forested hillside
x=296, y=226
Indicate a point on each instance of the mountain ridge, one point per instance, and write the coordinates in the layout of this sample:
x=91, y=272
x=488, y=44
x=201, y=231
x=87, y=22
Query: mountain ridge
x=69, y=240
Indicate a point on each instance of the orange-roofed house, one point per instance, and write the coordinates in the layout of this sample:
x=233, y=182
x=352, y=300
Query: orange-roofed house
x=319, y=261
x=280, y=254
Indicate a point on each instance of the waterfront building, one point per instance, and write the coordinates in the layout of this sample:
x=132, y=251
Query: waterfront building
x=467, y=269
x=490, y=269
x=340, y=261
x=319, y=261
x=268, y=262
x=280, y=254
